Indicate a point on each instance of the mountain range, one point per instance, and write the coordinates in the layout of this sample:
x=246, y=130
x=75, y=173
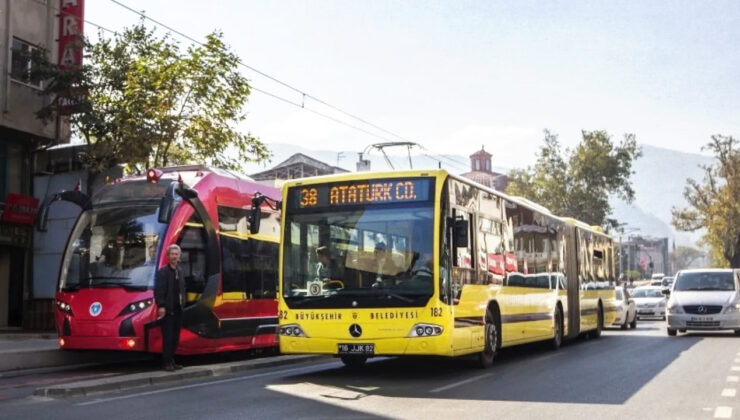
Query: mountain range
x=659, y=180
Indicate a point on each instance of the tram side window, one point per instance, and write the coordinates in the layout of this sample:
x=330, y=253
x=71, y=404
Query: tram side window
x=249, y=267
x=193, y=260
x=231, y=219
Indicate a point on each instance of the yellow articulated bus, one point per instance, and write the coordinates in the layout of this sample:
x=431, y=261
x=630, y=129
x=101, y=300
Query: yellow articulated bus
x=427, y=263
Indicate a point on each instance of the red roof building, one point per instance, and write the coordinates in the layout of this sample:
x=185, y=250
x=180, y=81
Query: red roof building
x=482, y=172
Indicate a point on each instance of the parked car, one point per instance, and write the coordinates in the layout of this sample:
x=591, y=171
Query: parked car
x=704, y=299
x=650, y=302
x=626, y=309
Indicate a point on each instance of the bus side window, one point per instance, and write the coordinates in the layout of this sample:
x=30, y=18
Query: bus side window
x=193, y=260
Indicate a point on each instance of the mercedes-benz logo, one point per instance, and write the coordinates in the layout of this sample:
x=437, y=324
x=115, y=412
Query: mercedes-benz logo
x=701, y=310
x=355, y=330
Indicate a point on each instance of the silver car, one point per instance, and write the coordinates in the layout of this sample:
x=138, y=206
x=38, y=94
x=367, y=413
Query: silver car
x=705, y=299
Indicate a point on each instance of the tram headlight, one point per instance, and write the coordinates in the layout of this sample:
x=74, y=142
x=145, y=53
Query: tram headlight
x=138, y=306
x=64, y=307
x=425, y=330
x=292, y=330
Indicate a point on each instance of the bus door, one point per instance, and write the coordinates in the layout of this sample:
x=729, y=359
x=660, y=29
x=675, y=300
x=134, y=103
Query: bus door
x=463, y=273
x=574, y=288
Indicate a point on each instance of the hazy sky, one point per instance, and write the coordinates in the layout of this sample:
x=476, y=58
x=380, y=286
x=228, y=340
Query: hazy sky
x=455, y=75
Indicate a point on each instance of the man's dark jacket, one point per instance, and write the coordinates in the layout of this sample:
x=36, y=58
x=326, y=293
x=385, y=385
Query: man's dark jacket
x=166, y=289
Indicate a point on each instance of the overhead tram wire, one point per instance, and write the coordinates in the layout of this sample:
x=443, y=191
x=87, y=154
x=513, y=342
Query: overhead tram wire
x=274, y=79
x=451, y=162
x=58, y=10
x=251, y=86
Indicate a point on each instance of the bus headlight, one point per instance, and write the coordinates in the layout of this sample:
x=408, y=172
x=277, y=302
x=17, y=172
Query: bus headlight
x=425, y=330
x=64, y=307
x=134, y=307
x=292, y=330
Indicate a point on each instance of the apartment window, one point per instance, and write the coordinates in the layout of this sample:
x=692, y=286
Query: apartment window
x=20, y=62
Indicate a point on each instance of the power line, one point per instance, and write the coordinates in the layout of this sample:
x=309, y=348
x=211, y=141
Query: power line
x=452, y=162
x=274, y=79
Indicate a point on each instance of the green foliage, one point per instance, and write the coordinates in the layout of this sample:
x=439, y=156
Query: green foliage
x=141, y=100
x=685, y=256
x=578, y=183
x=714, y=204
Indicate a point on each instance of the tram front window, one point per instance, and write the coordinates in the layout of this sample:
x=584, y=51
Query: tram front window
x=113, y=247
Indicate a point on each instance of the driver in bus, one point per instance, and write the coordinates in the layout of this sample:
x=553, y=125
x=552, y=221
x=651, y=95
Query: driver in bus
x=383, y=265
x=323, y=271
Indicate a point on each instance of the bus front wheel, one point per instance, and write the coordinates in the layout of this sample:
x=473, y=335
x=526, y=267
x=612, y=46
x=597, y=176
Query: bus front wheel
x=485, y=358
x=353, y=362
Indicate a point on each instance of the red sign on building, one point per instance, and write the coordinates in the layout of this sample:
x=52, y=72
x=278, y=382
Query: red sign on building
x=20, y=209
x=71, y=20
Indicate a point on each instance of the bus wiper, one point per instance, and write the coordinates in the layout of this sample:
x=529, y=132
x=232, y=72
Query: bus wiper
x=377, y=292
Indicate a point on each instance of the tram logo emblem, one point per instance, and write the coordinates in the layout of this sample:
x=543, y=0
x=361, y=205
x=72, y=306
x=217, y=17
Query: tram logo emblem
x=96, y=308
x=355, y=330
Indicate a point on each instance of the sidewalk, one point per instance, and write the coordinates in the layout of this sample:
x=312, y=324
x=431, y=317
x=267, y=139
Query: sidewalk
x=21, y=351
x=159, y=377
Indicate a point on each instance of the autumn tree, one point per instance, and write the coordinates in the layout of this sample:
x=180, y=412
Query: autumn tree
x=714, y=203
x=578, y=183
x=142, y=100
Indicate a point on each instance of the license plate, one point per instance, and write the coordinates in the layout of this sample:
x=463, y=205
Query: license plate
x=702, y=318
x=363, y=349
x=645, y=312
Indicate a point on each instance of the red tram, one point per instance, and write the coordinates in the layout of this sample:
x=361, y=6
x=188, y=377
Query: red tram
x=228, y=229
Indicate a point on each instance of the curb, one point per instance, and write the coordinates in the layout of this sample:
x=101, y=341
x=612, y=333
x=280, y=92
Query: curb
x=14, y=362
x=154, y=378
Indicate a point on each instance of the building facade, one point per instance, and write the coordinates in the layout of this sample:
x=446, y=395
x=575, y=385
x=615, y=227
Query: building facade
x=645, y=255
x=25, y=27
x=296, y=166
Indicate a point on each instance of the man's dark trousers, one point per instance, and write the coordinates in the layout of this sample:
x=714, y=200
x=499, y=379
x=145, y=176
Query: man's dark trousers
x=171, y=324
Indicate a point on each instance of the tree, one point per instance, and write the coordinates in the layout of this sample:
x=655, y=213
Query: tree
x=685, y=256
x=578, y=183
x=714, y=204
x=141, y=100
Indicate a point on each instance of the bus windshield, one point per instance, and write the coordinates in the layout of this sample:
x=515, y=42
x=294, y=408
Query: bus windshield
x=113, y=247
x=359, y=256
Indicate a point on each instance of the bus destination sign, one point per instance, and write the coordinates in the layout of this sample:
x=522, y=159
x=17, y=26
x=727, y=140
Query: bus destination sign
x=381, y=191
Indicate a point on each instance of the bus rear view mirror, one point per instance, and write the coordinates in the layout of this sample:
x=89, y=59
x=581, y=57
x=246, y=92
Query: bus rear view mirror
x=167, y=204
x=254, y=218
x=460, y=233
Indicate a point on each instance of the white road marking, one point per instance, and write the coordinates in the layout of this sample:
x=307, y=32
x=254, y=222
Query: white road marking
x=723, y=413
x=735, y=369
x=733, y=379
x=736, y=361
x=198, y=385
x=729, y=392
x=463, y=382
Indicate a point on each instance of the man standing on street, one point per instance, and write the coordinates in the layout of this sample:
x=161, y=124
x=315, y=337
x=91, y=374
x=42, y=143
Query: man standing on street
x=169, y=295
